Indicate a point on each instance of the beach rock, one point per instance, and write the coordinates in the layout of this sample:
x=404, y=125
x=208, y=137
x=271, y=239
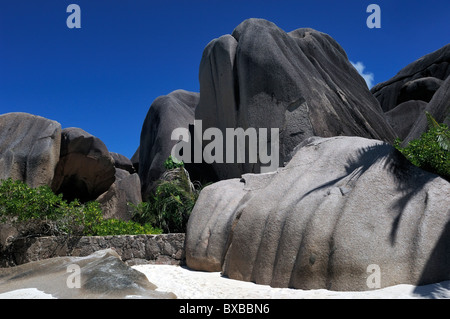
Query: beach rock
x=175, y=110
x=126, y=190
x=340, y=206
x=100, y=275
x=29, y=148
x=85, y=169
x=300, y=82
x=423, y=74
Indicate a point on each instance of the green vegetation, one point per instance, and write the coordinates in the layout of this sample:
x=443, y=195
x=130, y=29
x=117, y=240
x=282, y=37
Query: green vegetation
x=174, y=198
x=431, y=151
x=38, y=211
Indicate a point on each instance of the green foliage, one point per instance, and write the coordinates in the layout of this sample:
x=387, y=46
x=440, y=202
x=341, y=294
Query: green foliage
x=170, y=164
x=22, y=205
x=172, y=203
x=431, y=151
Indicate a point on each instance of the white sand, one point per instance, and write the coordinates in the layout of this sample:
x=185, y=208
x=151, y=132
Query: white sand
x=189, y=284
x=27, y=293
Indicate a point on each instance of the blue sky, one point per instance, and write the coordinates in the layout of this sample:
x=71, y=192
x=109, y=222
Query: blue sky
x=104, y=76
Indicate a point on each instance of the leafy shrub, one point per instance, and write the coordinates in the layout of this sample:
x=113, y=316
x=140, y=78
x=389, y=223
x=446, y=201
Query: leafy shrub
x=431, y=151
x=170, y=164
x=170, y=206
x=38, y=211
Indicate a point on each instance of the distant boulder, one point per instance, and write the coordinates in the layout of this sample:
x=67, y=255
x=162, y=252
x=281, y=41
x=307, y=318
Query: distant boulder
x=85, y=169
x=421, y=89
x=175, y=110
x=419, y=80
x=29, y=148
x=438, y=107
x=123, y=162
x=404, y=115
x=342, y=207
x=300, y=82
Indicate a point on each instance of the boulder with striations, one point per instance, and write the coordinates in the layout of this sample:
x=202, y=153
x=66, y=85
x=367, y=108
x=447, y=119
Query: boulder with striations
x=300, y=82
x=340, y=206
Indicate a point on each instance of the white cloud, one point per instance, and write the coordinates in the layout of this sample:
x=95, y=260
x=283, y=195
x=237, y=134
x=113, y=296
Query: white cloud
x=368, y=77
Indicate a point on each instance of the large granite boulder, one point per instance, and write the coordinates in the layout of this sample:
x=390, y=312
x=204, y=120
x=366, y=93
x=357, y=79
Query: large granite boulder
x=100, y=275
x=175, y=110
x=300, y=82
x=85, y=169
x=339, y=207
x=29, y=148
x=419, y=80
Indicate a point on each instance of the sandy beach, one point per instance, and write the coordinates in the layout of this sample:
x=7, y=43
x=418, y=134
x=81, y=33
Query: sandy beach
x=189, y=284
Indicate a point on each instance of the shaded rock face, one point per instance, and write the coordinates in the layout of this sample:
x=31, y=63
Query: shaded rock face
x=302, y=228
x=29, y=148
x=419, y=80
x=123, y=162
x=300, y=82
x=85, y=169
x=421, y=86
x=438, y=107
x=102, y=275
x=175, y=110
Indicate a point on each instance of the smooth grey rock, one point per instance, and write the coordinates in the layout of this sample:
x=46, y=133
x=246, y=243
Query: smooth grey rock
x=175, y=110
x=340, y=205
x=85, y=169
x=102, y=275
x=300, y=82
x=29, y=148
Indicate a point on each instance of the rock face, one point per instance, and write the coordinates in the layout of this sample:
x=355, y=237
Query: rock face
x=423, y=85
x=340, y=206
x=29, y=148
x=175, y=110
x=122, y=162
x=419, y=80
x=101, y=275
x=300, y=82
x=438, y=107
x=85, y=169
